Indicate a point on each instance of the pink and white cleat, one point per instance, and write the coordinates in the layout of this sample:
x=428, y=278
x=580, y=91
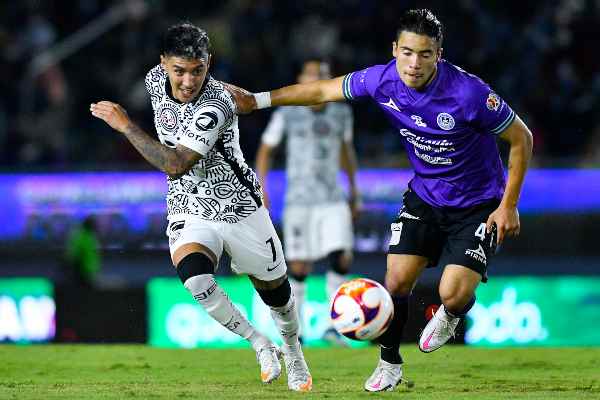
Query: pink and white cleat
x=440, y=328
x=385, y=377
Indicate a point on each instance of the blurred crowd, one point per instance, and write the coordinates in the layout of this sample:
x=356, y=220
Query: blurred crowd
x=58, y=56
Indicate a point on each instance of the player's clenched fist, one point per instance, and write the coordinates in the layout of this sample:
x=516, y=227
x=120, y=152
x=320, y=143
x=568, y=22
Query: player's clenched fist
x=111, y=113
x=507, y=222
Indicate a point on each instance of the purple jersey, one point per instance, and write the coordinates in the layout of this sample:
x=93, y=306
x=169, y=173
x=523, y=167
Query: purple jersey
x=449, y=130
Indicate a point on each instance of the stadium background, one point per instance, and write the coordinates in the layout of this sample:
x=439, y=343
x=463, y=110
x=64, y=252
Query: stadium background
x=59, y=165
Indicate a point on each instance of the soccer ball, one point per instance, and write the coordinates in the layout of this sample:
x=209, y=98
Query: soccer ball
x=361, y=309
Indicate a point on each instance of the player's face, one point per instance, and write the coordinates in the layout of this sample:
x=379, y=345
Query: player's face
x=185, y=75
x=313, y=71
x=416, y=58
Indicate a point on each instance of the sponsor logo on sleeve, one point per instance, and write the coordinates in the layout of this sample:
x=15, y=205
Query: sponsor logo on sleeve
x=207, y=120
x=493, y=102
x=363, y=75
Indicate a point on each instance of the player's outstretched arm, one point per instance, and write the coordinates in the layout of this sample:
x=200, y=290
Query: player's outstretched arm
x=308, y=94
x=175, y=162
x=304, y=94
x=506, y=216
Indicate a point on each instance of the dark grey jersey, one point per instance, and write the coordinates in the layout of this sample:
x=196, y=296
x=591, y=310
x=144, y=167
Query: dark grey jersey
x=313, y=147
x=221, y=186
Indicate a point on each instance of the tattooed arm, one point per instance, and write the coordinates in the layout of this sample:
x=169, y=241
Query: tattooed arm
x=175, y=162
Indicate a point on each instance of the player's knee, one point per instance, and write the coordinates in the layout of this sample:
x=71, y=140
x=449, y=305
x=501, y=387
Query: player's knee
x=398, y=284
x=399, y=281
x=448, y=296
x=339, y=261
x=194, y=264
x=277, y=297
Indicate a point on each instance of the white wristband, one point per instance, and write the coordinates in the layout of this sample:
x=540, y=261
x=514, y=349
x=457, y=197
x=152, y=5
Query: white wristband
x=263, y=100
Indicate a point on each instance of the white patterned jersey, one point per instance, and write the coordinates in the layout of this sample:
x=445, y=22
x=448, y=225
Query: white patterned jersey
x=314, y=140
x=221, y=186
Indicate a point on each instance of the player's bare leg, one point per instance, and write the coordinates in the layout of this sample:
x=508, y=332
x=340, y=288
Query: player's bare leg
x=400, y=279
x=278, y=296
x=457, y=288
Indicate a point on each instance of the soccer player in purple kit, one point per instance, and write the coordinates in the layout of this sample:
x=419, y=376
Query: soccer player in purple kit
x=459, y=205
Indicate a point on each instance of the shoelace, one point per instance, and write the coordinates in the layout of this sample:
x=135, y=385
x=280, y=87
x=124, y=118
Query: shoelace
x=447, y=326
x=265, y=352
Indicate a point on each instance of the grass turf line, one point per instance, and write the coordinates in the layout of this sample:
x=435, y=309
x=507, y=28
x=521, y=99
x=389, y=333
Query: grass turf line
x=136, y=371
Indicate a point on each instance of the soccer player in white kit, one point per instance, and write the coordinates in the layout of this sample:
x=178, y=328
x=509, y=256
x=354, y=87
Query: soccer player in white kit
x=317, y=220
x=214, y=198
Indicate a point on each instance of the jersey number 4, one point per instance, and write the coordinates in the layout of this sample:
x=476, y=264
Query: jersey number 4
x=480, y=232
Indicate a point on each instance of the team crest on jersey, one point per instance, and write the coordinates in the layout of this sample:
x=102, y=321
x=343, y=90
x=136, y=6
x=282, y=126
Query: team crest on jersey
x=418, y=121
x=321, y=127
x=207, y=121
x=493, y=102
x=445, y=121
x=168, y=119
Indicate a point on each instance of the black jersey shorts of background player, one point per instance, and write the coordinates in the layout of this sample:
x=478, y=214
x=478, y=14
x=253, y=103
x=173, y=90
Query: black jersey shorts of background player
x=445, y=235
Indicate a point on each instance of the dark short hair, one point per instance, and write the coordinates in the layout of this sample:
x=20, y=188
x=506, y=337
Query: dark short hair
x=422, y=22
x=185, y=40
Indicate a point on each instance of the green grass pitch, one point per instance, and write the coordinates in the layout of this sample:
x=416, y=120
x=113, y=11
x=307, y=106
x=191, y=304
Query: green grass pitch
x=137, y=371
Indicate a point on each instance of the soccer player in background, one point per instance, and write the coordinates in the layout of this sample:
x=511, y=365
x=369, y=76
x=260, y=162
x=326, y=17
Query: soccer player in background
x=317, y=219
x=214, y=198
x=82, y=254
x=459, y=205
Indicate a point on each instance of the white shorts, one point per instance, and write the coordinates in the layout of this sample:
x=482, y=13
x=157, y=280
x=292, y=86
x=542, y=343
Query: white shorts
x=312, y=232
x=252, y=243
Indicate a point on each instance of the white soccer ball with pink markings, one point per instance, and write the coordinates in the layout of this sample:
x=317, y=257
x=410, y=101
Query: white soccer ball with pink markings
x=361, y=309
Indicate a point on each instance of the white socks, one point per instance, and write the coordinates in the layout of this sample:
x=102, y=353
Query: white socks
x=286, y=319
x=217, y=304
x=299, y=293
